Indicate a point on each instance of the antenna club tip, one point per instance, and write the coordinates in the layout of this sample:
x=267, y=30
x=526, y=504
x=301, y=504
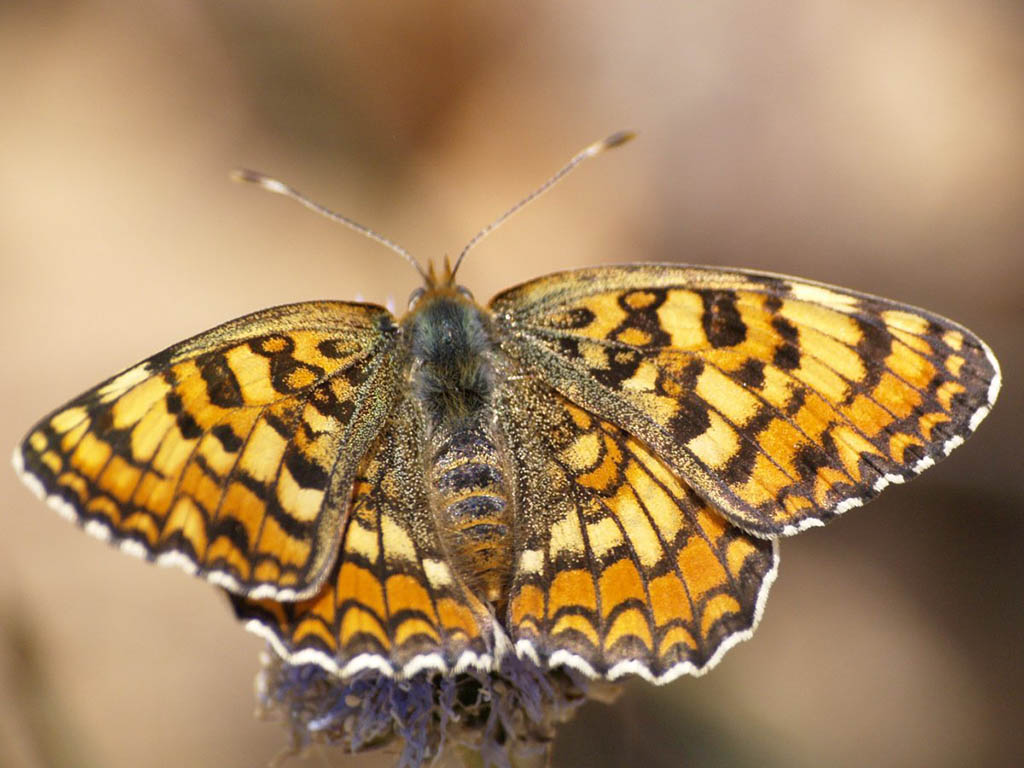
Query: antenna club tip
x=244, y=174
x=262, y=180
x=617, y=139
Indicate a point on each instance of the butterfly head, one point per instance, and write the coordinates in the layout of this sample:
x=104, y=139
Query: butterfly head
x=439, y=282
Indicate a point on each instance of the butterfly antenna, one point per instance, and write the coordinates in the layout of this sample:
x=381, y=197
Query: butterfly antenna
x=280, y=188
x=615, y=140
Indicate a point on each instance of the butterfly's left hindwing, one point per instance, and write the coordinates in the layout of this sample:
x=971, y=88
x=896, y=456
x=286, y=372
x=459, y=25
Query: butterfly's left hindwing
x=780, y=401
x=392, y=602
x=230, y=454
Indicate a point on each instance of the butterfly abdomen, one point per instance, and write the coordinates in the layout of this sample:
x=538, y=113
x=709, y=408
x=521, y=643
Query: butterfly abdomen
x=453, y=381
x=472, y=508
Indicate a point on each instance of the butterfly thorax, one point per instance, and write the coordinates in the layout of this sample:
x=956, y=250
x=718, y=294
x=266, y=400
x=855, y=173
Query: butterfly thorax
x=453, y=382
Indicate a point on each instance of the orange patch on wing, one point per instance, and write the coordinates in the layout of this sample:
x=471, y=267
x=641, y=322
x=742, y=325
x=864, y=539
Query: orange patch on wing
x=76, y=483
x=571, y=588
x=580, y=417
x=222, y=549
x=573, y=621
x=898, y=444
x=716, y=608
x=313, y=627
x=929, y=421
x=868, y=415
x=827, y=478
x=618, y=583
x=289, y=550
x=357, y=621
x=242, y=505
x=71, y=438
x=910, y=367
x=529, y=603
x=629, y=623
x=896, y=396
x=946, y=392
x=607, y=472
x=404, y=593
x=701, y=568
x=90, y=456
x=412, y=627
x=766, y=480
x=138, y=522
x=794, y=505
x=669, y=600
x=267, y=571
x=457, y=618
x=356, y=582
x=203, y=489
x=954, y=363
x=634, y=337
x=851, y=444
x=736, y=554
x=190, y=522
x=53, y=461
x=673, y=637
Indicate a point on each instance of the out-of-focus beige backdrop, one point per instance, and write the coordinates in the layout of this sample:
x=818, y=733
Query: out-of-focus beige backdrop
x=876, y=145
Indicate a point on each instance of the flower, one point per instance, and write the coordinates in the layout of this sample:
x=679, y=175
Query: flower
x=504, y=718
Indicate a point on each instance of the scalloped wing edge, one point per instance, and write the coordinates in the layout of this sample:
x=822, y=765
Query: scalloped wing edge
x=922, y=464
x=523, y=649
x=130, y=546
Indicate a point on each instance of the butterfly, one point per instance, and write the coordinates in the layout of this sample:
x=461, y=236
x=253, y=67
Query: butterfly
x=592, y=471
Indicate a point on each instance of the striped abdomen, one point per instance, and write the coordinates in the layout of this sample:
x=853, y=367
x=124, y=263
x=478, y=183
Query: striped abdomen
x=473, y=508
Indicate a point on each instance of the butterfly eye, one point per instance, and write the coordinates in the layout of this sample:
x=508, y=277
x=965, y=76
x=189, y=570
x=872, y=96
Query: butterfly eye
x=416, y=296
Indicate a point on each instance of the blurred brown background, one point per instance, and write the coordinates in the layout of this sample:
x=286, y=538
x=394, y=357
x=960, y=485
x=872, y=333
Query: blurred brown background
x=876, y=145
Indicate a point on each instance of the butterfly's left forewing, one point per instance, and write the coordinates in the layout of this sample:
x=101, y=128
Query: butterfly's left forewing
x=780, y=401
x=232, y=453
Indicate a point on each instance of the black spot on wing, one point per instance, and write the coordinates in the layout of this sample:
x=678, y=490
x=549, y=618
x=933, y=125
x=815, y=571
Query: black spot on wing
x=327, y=403
x=337, y=349
x=690, y=421
x=786, y=357
x=307, y=474
x=221, y=384
x=186, y=424
x=102, y=421
x=772, y=303
x=190, y=430
x=741, y=465
x=230, y=529
x=751, y=374
x=721, y=320
x=622, y=366
x=785, y=329
x=874, y=346
x=298, y=529
x=227, y=437
x=173, y=403
x=574, y=319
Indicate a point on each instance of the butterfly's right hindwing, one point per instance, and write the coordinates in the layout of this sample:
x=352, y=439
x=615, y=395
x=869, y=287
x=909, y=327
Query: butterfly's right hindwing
x=231, y=454
x=621, y=568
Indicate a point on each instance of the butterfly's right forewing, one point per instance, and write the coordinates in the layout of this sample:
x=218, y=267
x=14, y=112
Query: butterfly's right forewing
x=781, y=401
